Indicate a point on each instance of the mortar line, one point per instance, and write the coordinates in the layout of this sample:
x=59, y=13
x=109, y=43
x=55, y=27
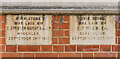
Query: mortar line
x=5, y=48
x=58, y=40
x=22, y=55
x=2, y=29
x=111, y=48
x=2, y=44
x=17, y=48
x=61, y=44
x=58, y=55
x=59, y=52
x=81, y=55
x=64, y=48
x=64, y=33
x=2, y=21
x=40, y=48
x=62, y=22
x=34, y=55
x=2, y=37
x=99, y=48
x=117, y=40
x=52, y=48
x=76, y=48
x=116, y=55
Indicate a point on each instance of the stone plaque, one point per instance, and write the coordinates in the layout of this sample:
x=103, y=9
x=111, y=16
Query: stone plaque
x=92, y=29
x=28, y=29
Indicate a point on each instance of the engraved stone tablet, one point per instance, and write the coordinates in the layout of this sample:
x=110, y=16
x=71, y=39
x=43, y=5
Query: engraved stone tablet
x=28, y=29
x=92, y=29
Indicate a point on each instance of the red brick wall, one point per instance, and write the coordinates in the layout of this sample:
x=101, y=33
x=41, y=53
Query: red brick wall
x=60, y=46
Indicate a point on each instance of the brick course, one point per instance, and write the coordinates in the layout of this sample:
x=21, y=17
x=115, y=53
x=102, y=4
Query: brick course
x=60, y=46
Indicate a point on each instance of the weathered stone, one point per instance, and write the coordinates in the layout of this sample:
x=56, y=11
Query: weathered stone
x=28, y=29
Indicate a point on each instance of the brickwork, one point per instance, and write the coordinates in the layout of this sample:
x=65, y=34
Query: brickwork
x=60, y=46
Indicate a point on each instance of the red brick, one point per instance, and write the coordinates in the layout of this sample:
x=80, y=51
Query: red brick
x=64, y=26
x=53, y=18
x=54, y=41
x=116, y=40
x=2, y=40
x=55, y=25
x=47, y=48
x=58, y=18
x=64, y=40
x=117, y=26
x=12, y=55
x=114, y=47
x=70, y=55
x=67, y=33
x=10, y=48
x=28, y=48
x=2, y=18
x=28, y=54
x=87, y=55
x=2, y=33
x=117, y=32
x=119, y=17
x=104, y=54
x=58, y=48
x=88, y=48
x=0, y=55
x=2, y=48
x=70, y=48
x=66, y=18
x=2, y=25
x=118, y=55
x=57, y=33
x=46, y=55
x=118, y=48
x=105, y=47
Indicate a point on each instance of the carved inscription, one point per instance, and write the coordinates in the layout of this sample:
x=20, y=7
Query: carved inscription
x=28, y=29
x=92, y=29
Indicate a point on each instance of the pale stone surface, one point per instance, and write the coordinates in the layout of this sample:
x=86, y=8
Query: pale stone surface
x=30, y=29
x=92, y=31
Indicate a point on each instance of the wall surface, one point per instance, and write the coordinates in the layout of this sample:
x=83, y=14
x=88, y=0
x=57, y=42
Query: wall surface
x=60, y=47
